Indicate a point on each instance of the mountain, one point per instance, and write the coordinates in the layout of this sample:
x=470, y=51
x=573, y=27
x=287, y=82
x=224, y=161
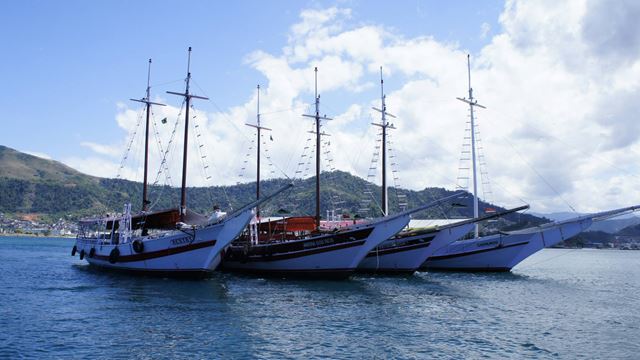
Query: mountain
x=50, y=189
x=20, y=166
x=610, y=226
x=559, y=216
x=614, y=226
x=629, y=232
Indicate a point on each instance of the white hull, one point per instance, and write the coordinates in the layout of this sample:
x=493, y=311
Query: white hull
x=408, y=253
x=172, y=252
x=503, y=251
x=336, y=254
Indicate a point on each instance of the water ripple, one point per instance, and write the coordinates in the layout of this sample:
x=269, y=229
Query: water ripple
x=578, y=306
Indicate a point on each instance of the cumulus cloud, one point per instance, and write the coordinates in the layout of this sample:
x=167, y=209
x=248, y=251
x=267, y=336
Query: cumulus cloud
x=610, y=30
x=558, y=79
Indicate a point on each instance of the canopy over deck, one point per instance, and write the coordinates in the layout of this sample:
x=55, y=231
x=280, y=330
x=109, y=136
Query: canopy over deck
x=161, y=219
x=296, y=223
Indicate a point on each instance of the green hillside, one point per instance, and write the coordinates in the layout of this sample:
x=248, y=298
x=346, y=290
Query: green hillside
x=20, y=166
x=31, y=185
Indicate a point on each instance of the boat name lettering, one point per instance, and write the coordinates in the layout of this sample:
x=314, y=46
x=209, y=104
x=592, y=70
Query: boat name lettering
x=485, y=243
x=318, y=242
x=180, y=241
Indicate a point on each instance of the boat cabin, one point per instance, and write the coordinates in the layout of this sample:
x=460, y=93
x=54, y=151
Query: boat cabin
x=111, y=228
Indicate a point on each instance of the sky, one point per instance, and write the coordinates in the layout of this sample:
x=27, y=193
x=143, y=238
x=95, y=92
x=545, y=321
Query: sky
x=559, y=80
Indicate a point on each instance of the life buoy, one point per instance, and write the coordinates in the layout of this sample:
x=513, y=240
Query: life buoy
x=138, y=246
x=92, y=252
x=113, y=255
x=73, y=251
x=81, y=254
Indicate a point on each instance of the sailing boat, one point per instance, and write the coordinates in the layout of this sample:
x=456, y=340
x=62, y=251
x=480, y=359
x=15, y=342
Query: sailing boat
x=298, y=247
x=406, y=251
x=503, y=251
x=168, y=242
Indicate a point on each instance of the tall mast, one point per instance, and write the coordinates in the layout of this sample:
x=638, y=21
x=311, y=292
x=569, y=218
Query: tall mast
x=384, y=125
x=472, y=103
x=258, y=129
x=317, y=151
x=317, y=117
x=146, y=100
x=188, y=97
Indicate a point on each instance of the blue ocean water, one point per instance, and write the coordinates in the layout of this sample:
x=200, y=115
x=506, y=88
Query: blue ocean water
x=557, y=304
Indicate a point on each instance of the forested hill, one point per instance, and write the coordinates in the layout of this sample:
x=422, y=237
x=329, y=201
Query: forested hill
x=32, y=185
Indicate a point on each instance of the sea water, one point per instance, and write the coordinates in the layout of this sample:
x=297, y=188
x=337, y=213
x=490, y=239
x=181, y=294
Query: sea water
x=558, y=303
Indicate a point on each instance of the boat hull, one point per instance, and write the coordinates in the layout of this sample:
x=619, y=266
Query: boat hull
x=501, y=252
x=328, y=255
x=407, y=254
x=190, y=252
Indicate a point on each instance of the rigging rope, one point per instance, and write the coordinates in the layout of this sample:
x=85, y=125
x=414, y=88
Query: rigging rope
x=202, y=153
x=402, y=206
x=370, y=198
x=229, y=120
x=130, y=144
x=485, y=182
x=245, y=162
x=163, y=163
x=331, y=177
x=539, y=175
x=587, y=155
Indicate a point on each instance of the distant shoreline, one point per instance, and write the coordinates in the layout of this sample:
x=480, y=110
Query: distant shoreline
x=39, y=236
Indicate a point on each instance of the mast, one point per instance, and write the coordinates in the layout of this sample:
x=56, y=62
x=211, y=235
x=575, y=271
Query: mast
x=317, y=151
x=473, y=103
x=188, y=97
x=317, y=117
x=258, y=129
x=384, y=125
x=146, y=100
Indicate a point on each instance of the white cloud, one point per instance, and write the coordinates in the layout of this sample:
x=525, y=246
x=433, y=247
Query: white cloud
x=558, y=80
x=485, y=29
x=96, y=166
x=112, y=151
x=38, y=154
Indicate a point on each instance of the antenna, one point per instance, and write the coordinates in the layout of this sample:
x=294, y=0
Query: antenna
x=188, y=97
x=472, y=103
x=317, y=118
x=147, y=101
x=149, y=79
x=469, y=75
x=189, y=62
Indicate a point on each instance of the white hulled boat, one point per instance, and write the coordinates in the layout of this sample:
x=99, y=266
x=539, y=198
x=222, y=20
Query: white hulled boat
x=306, y=250
x=503, y=251
x=408, y=250
x=192, y=250
x=168, y=242
x=295, y=251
